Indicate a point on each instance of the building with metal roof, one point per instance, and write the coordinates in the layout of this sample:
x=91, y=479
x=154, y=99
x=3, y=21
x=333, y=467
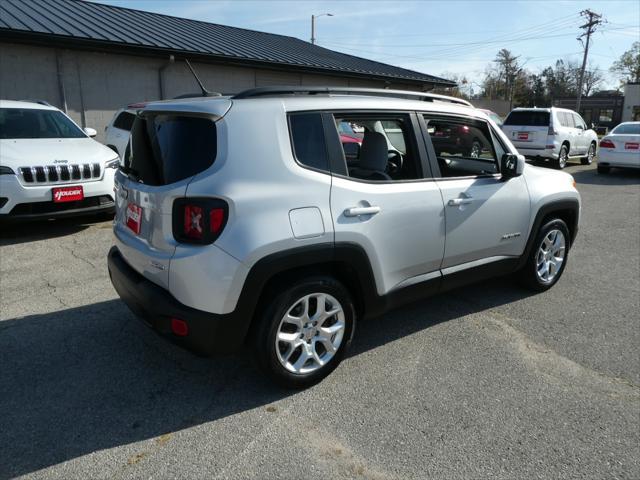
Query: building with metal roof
x=90, y=59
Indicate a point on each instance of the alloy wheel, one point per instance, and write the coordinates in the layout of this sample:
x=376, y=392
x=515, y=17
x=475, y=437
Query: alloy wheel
x=310, y=333
x=550, y=256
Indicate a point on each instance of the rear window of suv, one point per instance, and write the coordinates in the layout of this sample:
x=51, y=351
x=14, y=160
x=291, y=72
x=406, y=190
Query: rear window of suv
x=124, y=121
x=528, y=118
x=168, y=147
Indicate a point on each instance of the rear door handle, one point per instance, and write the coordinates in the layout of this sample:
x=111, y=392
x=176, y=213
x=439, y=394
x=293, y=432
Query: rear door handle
x=456, y=202
x=357, y=211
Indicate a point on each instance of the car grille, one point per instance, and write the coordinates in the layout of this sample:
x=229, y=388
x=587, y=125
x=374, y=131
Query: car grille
x=60, y=173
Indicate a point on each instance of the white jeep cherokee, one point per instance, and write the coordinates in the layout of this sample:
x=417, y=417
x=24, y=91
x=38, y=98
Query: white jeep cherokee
x=554, y=135
x=49, y=166
x=240, y=219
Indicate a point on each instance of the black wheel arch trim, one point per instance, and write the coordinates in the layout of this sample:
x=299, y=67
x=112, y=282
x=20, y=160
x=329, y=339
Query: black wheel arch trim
x=572, y=205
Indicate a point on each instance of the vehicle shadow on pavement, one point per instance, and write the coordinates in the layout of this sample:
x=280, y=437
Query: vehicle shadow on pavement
x=615, y=177
x=85, y=379
x=13, y=233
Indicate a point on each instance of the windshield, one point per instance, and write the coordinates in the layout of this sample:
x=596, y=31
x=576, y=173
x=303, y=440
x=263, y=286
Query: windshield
x=627, y=129
x=32, y=123
x=529, y=118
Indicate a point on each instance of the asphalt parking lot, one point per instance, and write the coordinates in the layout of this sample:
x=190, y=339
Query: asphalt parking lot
x=484, y=382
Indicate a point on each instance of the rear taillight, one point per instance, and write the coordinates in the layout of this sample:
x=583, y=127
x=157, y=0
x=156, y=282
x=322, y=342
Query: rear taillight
x=199, y=220
x=551, y=131
x=606, y=143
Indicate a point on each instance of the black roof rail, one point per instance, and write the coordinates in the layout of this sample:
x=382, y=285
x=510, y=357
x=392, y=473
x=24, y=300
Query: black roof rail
x=297, y=90
x=39, y=102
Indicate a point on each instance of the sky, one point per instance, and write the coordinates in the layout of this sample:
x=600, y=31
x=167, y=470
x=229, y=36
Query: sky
x=459, y=37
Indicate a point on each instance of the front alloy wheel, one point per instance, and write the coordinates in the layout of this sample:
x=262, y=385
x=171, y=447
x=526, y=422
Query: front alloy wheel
x=548, y=256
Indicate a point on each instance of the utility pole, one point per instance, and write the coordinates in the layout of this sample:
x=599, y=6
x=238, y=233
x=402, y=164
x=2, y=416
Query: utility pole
x=594, y=20
x=313, y=25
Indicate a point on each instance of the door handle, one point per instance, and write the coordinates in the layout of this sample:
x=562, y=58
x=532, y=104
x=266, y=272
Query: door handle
x=456, y=202
x=357, y=211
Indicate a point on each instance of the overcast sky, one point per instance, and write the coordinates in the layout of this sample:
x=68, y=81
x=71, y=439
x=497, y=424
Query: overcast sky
x=430, y=36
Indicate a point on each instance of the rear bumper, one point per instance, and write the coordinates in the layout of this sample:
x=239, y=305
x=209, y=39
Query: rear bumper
x=208, y=333
x=617, y=159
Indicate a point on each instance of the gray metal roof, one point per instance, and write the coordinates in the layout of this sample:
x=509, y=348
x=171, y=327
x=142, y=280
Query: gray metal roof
x=92, y=24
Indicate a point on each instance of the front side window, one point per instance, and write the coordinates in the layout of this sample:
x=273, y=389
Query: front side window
x=463, y=147
x=382, y=147
x=578, y=121
x=17, y=123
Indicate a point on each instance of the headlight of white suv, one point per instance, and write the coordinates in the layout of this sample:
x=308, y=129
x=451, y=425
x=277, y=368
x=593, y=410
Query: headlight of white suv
x=113, y=163
x=6, y=171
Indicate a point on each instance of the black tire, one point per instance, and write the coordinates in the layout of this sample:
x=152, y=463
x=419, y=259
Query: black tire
x=528, y=275
x=264, y=335
x=603, y=169
x=563, y=157
x=591, y=153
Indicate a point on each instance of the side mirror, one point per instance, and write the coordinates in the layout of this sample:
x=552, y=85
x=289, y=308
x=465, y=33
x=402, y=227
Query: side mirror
x=91, y=132
x=511, y=165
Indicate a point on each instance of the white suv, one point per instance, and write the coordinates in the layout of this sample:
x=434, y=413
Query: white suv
x=118, y=130
x=553, y=135
x=50, y=167
x=240, y=219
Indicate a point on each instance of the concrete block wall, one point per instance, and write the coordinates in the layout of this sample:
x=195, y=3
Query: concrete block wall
x=97, y=84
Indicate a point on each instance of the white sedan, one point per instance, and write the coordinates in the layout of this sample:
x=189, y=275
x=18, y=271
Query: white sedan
x=620, y=148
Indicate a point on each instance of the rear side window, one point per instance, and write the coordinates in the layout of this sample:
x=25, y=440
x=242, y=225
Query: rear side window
x=627, y=129
x=307, y=136
x=167, y=148
x=528, y=118
x=124, y=121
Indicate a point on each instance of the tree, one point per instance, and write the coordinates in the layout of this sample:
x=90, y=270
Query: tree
x=508, y=70
x=593, y=78
x=627, y=67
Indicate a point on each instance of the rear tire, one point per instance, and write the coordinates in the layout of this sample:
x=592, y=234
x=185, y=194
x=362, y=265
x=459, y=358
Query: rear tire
x=603, y=169
x=298, y=342
x=563, y=156
x=548, y=257
x=591, y=154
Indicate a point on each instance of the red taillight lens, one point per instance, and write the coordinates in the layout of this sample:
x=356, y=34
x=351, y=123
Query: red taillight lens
x=216, y=220
x=199, y=220
x=606, y=143
x=193, y=221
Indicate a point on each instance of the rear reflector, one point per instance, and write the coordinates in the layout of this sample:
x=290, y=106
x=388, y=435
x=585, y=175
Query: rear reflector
x=179, y=327
x=550, y=147
x=606, y=143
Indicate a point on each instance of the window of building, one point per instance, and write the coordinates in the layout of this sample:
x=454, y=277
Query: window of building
x=606, y=115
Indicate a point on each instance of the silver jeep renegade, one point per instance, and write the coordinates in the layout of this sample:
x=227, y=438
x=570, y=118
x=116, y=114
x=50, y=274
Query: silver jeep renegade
x=281, y=216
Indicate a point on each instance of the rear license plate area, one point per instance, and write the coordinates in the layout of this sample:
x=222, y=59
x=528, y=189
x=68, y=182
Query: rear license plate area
x=133, y=218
